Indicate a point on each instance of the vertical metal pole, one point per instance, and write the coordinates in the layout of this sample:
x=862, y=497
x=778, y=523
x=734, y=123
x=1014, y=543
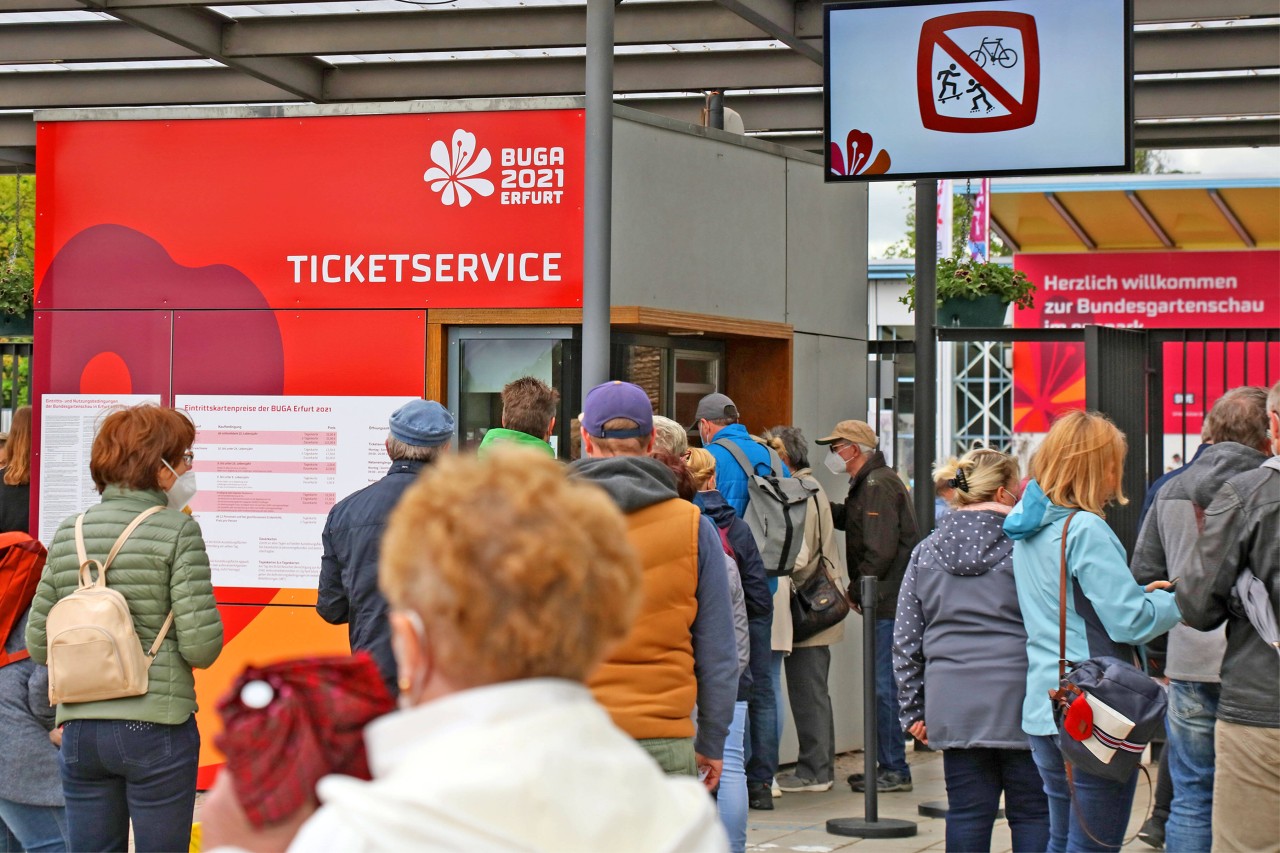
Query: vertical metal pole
x=871, y=746
x=597, y=204
x=926, y=385
x=715, y=110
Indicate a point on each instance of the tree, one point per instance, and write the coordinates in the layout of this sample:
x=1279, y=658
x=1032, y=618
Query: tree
x=17, y=243
x=961, y=211
x=1149, y=161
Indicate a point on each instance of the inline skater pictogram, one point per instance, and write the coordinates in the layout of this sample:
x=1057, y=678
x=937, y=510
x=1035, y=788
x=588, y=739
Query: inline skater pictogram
x=975, y=86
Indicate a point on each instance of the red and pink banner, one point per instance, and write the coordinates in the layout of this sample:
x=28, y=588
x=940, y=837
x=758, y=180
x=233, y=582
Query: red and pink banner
x=1156, y=290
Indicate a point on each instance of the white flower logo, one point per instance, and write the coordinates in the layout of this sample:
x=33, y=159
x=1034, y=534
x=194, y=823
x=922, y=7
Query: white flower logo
x=454, y=172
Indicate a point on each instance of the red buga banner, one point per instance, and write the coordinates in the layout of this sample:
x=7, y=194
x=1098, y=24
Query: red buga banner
x=417, y=210
x=1158, y=290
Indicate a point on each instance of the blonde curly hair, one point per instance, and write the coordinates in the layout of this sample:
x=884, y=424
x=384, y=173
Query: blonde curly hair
x=516, y=570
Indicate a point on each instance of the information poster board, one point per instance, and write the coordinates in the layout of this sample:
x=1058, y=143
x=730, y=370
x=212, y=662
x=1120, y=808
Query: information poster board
x=270, y=468
x=920, y=89
x=68, y=425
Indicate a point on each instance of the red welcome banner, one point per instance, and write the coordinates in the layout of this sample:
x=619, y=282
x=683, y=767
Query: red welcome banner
x=1158, y=290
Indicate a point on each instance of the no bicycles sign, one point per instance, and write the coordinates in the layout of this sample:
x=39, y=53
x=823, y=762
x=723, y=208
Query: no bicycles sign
x=920, y=89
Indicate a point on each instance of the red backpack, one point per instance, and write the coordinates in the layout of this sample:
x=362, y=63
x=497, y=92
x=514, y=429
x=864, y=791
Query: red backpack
x=21, y=562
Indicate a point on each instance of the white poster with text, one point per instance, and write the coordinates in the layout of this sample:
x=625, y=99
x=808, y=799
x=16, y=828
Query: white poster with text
x=68, y=425
x=270, y=469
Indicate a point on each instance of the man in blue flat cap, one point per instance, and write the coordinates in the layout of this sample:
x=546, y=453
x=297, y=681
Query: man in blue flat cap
x=420, y=431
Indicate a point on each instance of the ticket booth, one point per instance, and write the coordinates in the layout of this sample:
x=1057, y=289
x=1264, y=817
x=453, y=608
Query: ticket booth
x=254, y=267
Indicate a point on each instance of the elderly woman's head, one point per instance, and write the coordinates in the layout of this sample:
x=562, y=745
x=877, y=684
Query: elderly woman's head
x=142, y=447
x=1081, y=461
x=503, y=569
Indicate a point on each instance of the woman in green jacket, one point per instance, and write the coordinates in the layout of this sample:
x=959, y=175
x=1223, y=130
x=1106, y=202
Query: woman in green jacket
x=136, y=757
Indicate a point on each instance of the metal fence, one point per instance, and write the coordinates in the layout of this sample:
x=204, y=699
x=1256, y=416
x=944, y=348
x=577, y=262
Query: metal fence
x=15, y=380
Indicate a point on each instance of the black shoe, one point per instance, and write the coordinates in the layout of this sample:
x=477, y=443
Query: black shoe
x=760, y=796
x=1152, y=833
x=855, y=781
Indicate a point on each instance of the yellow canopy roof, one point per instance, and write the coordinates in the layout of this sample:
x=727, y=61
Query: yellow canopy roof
x=1136, y=212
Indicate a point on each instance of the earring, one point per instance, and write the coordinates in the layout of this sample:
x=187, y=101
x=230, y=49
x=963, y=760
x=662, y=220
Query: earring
x=404, y=684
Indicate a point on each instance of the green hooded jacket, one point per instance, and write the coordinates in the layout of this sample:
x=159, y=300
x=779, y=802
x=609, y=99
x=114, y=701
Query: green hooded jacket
x=162, y=566
x=499, y=435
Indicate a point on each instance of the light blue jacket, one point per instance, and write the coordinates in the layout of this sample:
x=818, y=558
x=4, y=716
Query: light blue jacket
x=1105, y=607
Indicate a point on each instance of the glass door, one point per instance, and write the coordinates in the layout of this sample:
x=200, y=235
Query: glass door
x=482, y=359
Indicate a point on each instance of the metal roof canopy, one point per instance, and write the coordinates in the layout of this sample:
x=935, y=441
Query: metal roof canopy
x=1205, y=74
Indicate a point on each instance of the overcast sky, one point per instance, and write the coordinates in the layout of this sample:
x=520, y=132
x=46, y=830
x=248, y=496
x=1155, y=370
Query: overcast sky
x=888, y=218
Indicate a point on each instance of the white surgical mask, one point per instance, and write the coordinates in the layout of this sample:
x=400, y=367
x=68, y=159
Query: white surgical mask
x=183, y=488
x=835, y=463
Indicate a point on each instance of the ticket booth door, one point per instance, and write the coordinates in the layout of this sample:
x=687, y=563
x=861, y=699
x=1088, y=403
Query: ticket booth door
x=482, y=359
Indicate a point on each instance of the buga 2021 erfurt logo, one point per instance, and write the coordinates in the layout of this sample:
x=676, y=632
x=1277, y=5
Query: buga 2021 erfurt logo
x=529, y=175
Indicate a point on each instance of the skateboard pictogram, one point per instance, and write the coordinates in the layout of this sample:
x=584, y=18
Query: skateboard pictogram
x=971, y=74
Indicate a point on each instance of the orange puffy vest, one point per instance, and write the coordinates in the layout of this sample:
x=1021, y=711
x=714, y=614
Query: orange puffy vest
x=647, y=684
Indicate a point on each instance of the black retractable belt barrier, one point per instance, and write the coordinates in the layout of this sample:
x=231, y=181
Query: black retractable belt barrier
x=870, y=825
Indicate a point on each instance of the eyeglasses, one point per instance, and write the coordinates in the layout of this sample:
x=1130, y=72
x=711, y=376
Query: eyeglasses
x=189, y=458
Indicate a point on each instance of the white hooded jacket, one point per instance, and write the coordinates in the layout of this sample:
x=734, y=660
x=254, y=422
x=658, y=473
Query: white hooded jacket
x=527, y=765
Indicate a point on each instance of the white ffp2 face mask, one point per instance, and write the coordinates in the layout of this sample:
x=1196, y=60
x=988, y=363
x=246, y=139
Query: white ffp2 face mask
x=835, y=463
x=182, y=490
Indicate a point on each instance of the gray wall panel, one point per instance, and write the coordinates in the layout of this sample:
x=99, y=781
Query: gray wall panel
x=830, y=386
x=826, y=254
x=698, y=224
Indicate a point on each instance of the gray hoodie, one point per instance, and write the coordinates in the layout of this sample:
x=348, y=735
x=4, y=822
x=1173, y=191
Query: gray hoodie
x=959, y=645
x=636, y=482
x=1170, y=535
x=28, y=760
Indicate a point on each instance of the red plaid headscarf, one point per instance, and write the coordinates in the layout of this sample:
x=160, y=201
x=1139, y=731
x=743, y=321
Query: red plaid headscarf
x=304, y=720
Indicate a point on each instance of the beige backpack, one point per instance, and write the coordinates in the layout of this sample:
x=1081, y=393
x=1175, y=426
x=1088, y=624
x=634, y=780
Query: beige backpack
x=94, y=650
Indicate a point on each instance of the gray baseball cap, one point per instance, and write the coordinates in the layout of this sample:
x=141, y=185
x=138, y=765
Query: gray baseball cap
x=713, y=407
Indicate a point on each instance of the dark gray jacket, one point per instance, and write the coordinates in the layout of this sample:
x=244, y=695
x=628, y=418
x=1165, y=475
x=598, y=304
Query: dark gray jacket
x=1241, y=530
x=349, y=591
x=1169, y=535
x=28, y=761
x=959, y=645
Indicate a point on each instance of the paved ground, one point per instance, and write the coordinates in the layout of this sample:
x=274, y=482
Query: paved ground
x=798, y=821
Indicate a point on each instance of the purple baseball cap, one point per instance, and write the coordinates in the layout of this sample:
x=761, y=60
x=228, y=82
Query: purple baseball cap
x=617, y=399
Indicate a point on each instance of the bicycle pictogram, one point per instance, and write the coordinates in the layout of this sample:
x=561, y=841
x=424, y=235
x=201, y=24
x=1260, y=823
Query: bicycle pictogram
x=994, y=50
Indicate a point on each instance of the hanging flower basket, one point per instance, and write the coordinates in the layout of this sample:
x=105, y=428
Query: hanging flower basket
x=975, y=294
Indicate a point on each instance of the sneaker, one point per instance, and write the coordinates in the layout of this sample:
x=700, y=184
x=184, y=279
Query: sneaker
x=759, y=796
x=1152, y=833
x=791, y=783
x=775, y=790
x=886, y=783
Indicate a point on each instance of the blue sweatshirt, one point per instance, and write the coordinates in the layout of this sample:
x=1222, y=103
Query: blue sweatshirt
x=1105, y=607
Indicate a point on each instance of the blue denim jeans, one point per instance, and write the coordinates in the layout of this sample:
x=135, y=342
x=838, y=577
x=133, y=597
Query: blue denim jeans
x=762, y=707
x=1190, y=755
x=778, y=697
x=38, y=829
x=1103, y=805
x=117, y=770
x=975, y=780
x=891, y=753
x=731, y=800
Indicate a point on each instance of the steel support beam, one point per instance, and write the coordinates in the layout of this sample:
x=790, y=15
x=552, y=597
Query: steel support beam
x=143, y=87
x=926, y=380
x=1232, y=220
x=777, y=18
x=1190, y=11
x=1076, y=227
x=1147, y=217
x=17, y=130
x=1207, y=134
x=200, y=30
x=1003, y=234
x=597, y=203
x=84, y=41
x=512, y=28
x=1206, y=49
x=644, y=72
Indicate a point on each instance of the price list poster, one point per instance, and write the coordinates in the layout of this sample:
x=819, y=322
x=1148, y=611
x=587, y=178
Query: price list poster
x=68, y=425
x=269, y=469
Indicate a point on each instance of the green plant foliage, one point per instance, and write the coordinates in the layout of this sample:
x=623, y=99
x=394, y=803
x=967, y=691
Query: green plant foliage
x=24, y=381
x=17, y=243
x=963, y=279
